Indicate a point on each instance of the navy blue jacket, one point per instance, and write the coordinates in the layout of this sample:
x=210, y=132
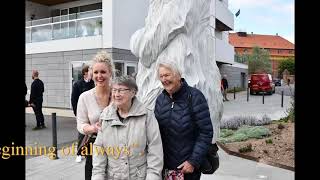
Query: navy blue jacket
x=184, y=138
x=36, y=94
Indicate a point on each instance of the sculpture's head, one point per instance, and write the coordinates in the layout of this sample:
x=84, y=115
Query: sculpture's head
x=170, y=76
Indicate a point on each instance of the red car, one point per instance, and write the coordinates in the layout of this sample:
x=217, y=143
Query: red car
x=261, y=83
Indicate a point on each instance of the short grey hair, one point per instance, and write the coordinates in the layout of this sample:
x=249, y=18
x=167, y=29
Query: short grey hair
x=170, y=64
x=126, y=81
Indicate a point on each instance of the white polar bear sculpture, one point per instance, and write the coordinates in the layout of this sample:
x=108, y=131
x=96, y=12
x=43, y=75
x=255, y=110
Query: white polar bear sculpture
x=180, y=31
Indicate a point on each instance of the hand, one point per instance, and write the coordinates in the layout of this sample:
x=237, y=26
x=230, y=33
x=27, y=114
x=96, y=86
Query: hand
x=32, y=105
x=97, y=126
x=186, y=167
x=89, y=129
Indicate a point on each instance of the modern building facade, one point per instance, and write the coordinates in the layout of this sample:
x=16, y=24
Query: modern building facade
x=224, y=51
x=278, y=47
x=62, y=35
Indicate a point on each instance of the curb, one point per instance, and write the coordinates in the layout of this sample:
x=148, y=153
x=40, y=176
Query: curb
x=254, y=158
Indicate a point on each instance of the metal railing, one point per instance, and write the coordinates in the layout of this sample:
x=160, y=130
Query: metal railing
x=82, y=24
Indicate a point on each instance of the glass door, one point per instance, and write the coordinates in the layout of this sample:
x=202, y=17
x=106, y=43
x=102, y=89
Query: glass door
x=131, y=69
x=76, y=68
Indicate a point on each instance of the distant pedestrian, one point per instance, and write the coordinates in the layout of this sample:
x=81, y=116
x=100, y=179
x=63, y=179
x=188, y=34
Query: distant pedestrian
x=225, y=87
x=36, y=99
x=82, y=85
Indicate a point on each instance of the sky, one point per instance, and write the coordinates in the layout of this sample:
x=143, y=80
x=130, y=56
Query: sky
x=264, y=17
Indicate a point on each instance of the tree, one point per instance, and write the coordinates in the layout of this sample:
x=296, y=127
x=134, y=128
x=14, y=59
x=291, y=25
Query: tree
x=241, y=58
x=288, y=64
x=259, y=61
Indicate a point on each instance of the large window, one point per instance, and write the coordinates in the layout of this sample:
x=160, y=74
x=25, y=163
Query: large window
x=125, y=68
x=89, y=7
x=119, y=67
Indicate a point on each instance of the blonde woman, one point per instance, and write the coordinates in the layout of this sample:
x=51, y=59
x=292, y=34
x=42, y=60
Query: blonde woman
x=92, y=102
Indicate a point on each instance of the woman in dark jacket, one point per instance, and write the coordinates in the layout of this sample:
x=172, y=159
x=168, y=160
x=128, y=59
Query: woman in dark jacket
x=186, y=135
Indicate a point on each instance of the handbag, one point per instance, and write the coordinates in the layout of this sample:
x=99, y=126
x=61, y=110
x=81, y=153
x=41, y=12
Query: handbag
x=211, y=162
x=84, y=143
x=173, y=175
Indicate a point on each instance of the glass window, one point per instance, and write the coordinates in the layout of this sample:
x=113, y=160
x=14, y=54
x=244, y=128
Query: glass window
x=131, y=71
x=73, y=10
x=90, y=7
x=76, y=71
x=64, y=12
x=119, y=66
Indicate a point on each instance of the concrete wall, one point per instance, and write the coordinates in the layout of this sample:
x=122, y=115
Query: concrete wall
x=72, y=44
x=55, y=72
x=107, y=23
x=224, y=14
x=224, y=51
x=234, y=75
x=128, y=17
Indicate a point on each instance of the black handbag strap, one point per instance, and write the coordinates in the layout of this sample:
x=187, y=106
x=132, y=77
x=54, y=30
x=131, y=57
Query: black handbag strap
x=189, y=99
x=213, y=147
x=212, y=163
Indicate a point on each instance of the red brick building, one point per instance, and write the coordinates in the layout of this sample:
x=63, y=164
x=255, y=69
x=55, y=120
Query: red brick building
x=278, y=47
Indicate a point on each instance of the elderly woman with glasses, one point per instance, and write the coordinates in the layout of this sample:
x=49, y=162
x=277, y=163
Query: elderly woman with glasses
x=128, y=145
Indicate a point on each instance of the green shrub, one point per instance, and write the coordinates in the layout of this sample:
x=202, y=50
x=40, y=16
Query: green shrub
x=269, y=141
x=225, y=133
x=237, y=137
x=246, y=148
x=258, y=132
x=291, y=115
x=244, y=133
x=290, y=112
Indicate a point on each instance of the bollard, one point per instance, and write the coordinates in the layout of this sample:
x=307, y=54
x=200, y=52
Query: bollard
x=234, y=92
x=262, y=97
x=281, y=98
x=247, y=94
x=54, y=135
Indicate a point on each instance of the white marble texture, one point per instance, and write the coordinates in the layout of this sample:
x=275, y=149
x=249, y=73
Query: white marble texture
x=180, y=31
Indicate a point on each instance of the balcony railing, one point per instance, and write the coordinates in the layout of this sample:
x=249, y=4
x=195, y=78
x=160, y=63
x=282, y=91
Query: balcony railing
x=63, y=27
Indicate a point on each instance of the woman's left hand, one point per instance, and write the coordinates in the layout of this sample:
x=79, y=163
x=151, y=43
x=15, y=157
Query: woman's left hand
x=97, y=126
x=186, y=167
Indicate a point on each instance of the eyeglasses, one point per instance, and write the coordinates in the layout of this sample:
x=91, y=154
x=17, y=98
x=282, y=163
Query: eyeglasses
x=120, y=91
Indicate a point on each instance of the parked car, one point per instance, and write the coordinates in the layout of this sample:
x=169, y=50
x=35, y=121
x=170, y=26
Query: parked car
x=261, y=83
x=277, y=82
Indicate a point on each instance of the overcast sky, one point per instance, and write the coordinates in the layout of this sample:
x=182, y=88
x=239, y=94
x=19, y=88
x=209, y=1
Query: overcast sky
x=264, y=17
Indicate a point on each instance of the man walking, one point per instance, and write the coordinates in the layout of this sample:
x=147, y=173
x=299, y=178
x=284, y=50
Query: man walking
x=82, y=85
x=36, y=99
x=225, y=87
